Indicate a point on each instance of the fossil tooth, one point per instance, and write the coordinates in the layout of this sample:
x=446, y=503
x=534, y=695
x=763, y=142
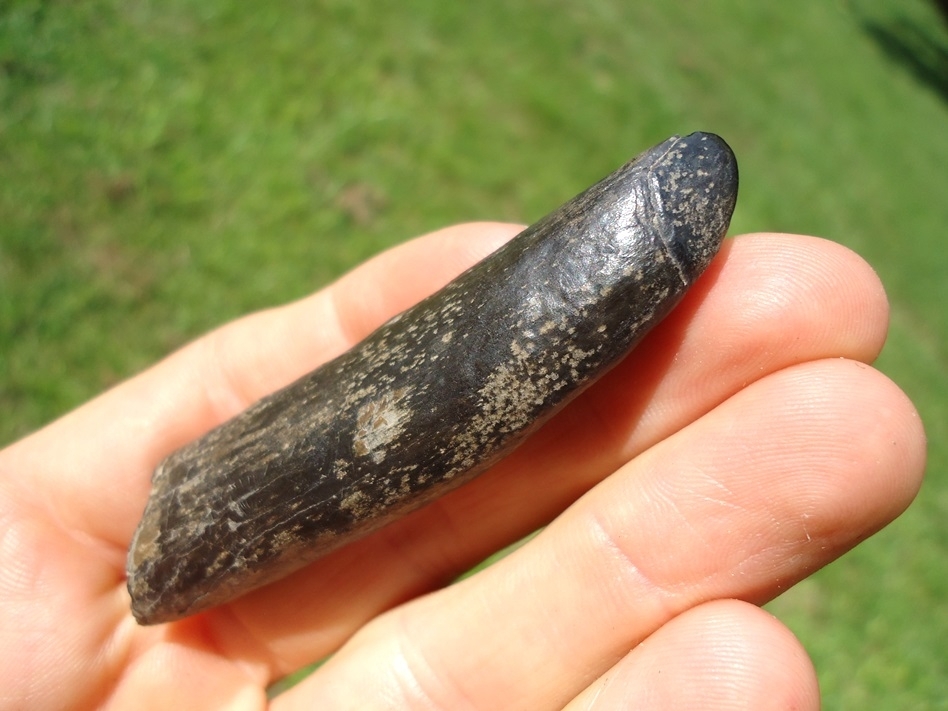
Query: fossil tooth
x=436, y=395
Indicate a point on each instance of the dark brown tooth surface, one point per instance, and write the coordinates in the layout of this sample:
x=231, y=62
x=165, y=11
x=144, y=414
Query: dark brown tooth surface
x=436, y=395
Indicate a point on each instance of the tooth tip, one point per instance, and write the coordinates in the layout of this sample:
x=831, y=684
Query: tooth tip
x=697, y=180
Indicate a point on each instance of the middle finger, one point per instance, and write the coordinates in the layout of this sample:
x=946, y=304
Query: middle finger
x=768, y=487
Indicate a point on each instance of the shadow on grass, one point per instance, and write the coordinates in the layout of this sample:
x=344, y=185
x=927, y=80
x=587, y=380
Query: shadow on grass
x=919, y=48
x=20, y=50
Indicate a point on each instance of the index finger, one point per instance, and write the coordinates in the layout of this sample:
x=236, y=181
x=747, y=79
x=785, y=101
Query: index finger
x=769, y=302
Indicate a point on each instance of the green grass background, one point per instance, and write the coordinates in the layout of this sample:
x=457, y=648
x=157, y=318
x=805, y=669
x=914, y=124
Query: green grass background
x=165, y=166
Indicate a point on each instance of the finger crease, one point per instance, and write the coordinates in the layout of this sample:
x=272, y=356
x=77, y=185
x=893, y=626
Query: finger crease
x=420, y=683
x=631, y=575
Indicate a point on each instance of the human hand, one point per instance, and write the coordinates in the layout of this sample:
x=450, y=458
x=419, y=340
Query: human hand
x=742, y=446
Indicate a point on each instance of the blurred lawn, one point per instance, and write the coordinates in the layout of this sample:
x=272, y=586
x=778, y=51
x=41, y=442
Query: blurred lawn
x=167, y=166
